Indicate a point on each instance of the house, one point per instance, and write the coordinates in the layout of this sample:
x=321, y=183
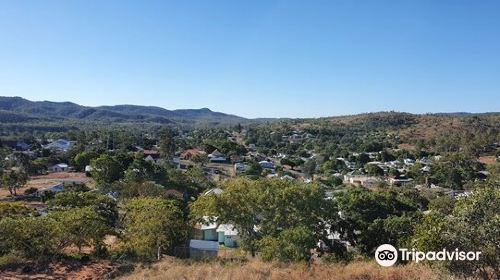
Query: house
x=217, y=156
x=209, y=232
x=189, y=153
x=206, y=230
x=88, y=169
x=54, y=189
x=22, y=146
x=240, y=168
x=61, y=167
x=409, y=161
x=266, y=164
x=228, y=236
x=202, y=249
x=400, y=182
x=151, y=155
x=60, y=145
x=362, y=180
x=426, y=169
x=214, y=191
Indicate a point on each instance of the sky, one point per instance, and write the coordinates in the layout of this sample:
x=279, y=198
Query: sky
x=255, y=58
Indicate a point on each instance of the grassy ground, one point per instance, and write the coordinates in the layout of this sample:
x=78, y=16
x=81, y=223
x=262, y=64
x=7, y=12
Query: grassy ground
x=255, y=269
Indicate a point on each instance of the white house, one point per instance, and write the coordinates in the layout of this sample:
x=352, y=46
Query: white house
x=61, y=167
x=55, y=189
x=362, y=180
x=60, y=145
x=217, y=156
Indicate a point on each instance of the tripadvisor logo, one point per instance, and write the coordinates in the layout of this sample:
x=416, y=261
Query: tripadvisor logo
x=387, y=255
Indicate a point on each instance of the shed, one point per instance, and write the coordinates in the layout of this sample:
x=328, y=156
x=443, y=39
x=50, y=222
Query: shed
x=228, y=235
x=201, y=249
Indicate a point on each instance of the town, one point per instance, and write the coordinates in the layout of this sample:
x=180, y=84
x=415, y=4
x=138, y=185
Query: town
x=222, y=189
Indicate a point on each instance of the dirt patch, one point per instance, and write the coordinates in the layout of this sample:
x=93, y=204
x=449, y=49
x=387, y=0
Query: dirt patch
x=488, y=159
x=44, y=181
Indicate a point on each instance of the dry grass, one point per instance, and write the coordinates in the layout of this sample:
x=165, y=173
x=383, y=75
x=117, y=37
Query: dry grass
x=171, y=268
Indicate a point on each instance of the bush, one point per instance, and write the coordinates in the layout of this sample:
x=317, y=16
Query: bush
x=30, y=191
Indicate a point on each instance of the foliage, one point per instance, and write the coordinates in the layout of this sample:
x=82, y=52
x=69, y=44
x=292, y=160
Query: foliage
x=153, y=226
x=472, y=226
x=104, y=206
x=15, y=210
x=269, y=209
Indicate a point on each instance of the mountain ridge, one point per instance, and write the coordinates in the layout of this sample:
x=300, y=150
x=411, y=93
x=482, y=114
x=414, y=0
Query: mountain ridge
x=21, y=108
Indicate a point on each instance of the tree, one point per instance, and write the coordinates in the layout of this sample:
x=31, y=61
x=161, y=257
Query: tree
x=167, y=143
x=140, y=171
x=34, y=238
x=292, y=244
x=472, y=226
x=267, y=213
x=103, y=205
x=106, y=169
x=83, y=159
x=200, y=159
x=82, y=227
x=364, y=216
x=153, y=226
x=14, y=180
x=374, y=170
x=15, y=210
x=310, y=168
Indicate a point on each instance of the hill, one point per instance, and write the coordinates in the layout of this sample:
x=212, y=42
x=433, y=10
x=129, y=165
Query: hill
x=17, y=109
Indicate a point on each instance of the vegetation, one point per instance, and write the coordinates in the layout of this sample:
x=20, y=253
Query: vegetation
x=433, y=189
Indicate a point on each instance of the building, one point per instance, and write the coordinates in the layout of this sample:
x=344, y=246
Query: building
x=60, y=145
x=266, y=164
x=217, y=156
x=151, y=155
x=189, y=153
x=54, y=189
x=362, y=180
x=228, y=236
x=61, y=167
x=202, y=249
x=240, y=168
x=401, y=182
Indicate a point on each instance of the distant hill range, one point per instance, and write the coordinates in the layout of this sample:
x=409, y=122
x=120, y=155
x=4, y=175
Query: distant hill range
x=17, y=109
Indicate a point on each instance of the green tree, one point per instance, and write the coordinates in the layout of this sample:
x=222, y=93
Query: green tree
x=103, y=205
x=310, y=168
x=270, y=209
x=106, y=169
x=153, y=226
x=15, y=210
x=374, y=170
x=35, y=238
x=13, y=180
x=83, y=159
x=167, y=143
x=82, y=227
x=472, y=226
x=292, y=244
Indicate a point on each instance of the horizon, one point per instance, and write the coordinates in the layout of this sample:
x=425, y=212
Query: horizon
x=264, y=59
x=262, y=117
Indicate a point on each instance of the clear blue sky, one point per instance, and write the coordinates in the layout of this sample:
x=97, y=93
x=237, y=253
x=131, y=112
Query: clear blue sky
x=255, y=58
